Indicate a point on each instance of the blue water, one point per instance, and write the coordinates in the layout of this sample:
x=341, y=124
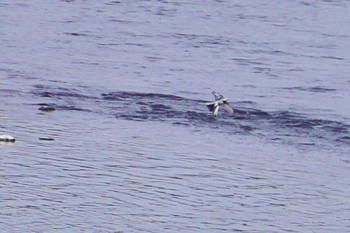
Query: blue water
x=134, y=147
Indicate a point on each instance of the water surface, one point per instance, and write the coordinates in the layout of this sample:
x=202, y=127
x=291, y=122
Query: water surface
x=135, y=149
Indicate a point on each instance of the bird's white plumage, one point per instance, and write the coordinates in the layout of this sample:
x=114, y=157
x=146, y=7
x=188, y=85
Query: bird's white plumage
x=216, y=109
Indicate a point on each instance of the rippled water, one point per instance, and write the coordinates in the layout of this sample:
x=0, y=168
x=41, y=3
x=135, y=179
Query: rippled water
x=134, y=148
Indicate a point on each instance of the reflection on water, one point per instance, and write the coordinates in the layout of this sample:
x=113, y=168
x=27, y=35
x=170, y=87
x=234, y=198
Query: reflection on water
x=135, y=150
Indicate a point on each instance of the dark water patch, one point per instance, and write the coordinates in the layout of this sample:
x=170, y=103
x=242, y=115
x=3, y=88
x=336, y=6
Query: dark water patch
x=86, y=63
x=72, y=108
x=137, y=95
x=249, y=113
x=293, y=119
x=139, y=45
x=181, y=123
x=160, y=107
x=346, y=161
x=247, y=62
x=9, y=92
x=51, y=107
x=65, y=99
x=177, y=111
x=181, y=111
x=108, y=44
x=22, y=4
x=295, y=69
x=46, y=104
x=278, y=126
x=290, y=123
x=161, y=11
x=132, y=117
x=153, y=58
x=22, y=76
x=59, y=92
x=113, y=3
x=312, y=89
x=345, y=139
x=321, y=89
x=199, y=41
x=333, y=58
x=76, y=34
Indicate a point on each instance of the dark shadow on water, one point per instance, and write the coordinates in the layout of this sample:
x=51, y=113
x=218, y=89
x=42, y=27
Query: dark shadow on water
x=176, y=110
x=181, y=111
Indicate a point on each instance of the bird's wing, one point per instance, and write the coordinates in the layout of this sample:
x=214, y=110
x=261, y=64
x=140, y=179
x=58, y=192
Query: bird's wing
x=210, y=103
x=210, y=106
x=213, y=107
x=216, y=110
x=227, y=106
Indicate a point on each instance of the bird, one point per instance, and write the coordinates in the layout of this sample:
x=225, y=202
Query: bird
x=220, y=100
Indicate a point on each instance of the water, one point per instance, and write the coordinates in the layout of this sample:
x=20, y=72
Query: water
x=135, y=149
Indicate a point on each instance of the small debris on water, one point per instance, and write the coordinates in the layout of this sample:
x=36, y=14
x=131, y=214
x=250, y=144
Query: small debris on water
x=47, y=108
x=7, y=138
x=46, y=139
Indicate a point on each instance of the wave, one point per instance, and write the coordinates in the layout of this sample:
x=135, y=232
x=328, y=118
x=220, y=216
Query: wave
x=177, y=110
x=181, y=111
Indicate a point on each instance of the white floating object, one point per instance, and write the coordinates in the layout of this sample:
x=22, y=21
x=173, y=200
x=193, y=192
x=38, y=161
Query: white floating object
x=7, y=138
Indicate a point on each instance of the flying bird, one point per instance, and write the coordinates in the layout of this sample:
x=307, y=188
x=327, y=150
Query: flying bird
x=220, y=100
